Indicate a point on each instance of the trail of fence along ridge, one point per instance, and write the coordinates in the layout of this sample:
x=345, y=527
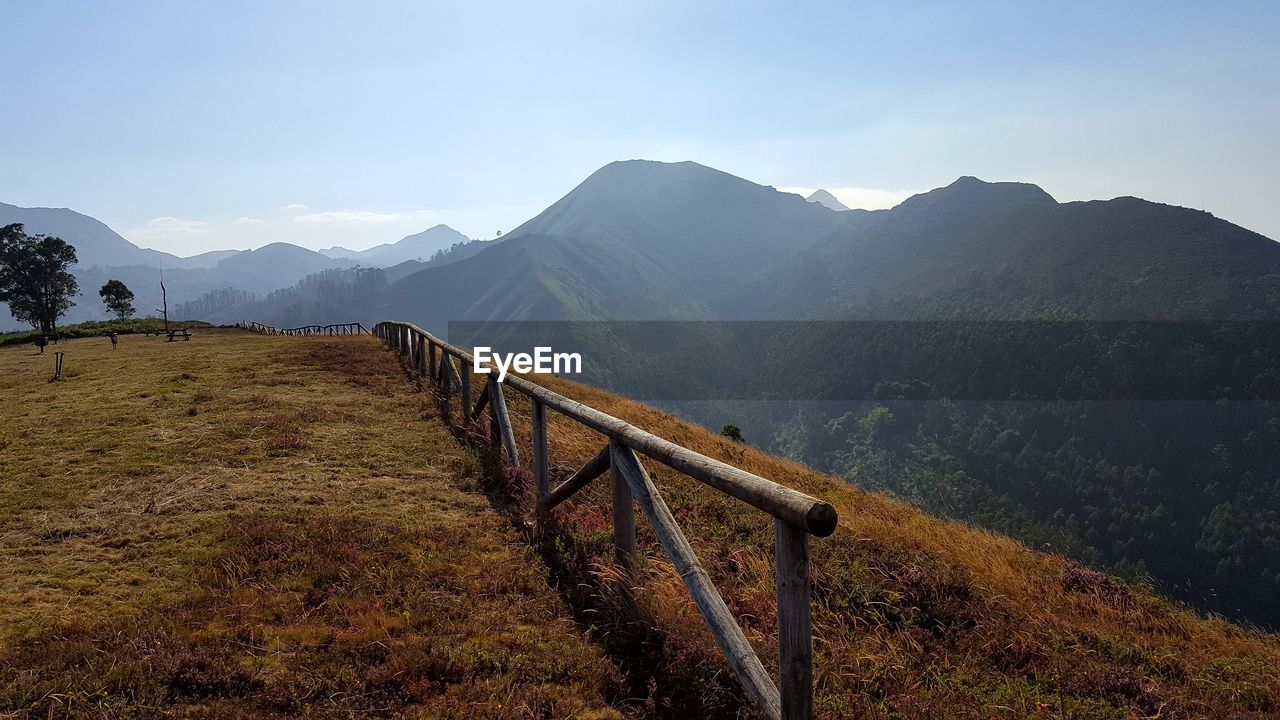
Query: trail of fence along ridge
x=335, y=329
x=796, y=515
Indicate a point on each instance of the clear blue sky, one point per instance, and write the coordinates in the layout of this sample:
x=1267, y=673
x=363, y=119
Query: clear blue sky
x=192, y=126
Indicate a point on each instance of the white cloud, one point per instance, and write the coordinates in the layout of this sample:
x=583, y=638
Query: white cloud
x=348, y=216
x=859, y=197
x=170, y=228
x=311, y=228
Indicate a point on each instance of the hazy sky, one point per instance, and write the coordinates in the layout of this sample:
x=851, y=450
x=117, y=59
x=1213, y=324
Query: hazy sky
x=189, y=127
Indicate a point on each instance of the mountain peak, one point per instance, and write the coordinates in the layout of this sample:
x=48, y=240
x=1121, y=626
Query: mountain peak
x=674, y=199
x=631, y=171
x=970, y=192
x=1006, y=190
x=418, y=246
x=826, y=199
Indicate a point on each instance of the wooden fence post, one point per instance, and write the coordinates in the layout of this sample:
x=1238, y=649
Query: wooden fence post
x=422, y=356
x=624, y=514
x=502, y=421
x=495, y=432
x=465, y=373
x=431, y=359
x=728, y=634
x=451, y=378
x=541, y=479
x=795, y=644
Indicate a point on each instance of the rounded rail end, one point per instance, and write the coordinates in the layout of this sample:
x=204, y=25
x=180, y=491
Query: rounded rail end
x=821, y=520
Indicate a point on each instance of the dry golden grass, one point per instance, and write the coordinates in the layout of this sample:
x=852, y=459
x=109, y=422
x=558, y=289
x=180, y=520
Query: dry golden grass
x=248, y=526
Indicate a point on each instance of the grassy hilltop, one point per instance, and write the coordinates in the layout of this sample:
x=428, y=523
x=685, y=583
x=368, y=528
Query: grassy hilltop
x=239, y=525
x=255, y=526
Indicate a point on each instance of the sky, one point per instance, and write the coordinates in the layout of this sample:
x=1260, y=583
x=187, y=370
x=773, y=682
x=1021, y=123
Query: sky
x=190, y=127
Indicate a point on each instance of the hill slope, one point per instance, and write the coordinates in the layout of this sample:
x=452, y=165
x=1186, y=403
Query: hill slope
x=918, y=617
x=249, y=525
x=96, y=244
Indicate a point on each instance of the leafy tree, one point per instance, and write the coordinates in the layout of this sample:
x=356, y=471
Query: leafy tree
x=733, y=432
x=118, y=298
x=34, y=279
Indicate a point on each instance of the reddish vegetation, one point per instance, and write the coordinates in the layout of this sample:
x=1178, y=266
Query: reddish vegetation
x=323, y=614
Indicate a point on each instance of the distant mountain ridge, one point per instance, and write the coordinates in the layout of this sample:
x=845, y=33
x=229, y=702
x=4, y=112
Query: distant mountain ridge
x=419, y=246
x=96, y=243
x=1020, y=250
x=104, y=254
x=647, y=240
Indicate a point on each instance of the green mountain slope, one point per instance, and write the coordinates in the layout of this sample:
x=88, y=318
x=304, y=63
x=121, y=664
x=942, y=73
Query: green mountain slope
x=636, y=240
x=973, y=248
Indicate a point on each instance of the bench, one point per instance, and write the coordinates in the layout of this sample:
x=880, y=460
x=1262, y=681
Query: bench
x=180, y=332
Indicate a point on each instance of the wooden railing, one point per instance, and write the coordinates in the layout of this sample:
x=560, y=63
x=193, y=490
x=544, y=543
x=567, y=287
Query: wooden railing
x=335, y=329
x=796, y=515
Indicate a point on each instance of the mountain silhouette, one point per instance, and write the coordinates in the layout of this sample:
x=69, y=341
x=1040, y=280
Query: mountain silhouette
x=649, y=240
x=419, y=246
x=826, y=200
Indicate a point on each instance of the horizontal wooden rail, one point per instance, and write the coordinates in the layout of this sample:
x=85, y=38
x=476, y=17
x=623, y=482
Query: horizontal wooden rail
x=805, y=512
x=797, y=515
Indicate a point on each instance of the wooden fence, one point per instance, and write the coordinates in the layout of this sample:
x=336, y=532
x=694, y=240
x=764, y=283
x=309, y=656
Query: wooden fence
x=336, y=329
x=796, y=515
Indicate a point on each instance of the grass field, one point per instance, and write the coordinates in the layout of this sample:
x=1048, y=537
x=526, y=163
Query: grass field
x=256, y=526
x=248, y=526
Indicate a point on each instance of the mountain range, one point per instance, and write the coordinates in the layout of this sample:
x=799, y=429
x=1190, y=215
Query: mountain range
x=420, y=246
x=104, y=254
x=643, y=240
